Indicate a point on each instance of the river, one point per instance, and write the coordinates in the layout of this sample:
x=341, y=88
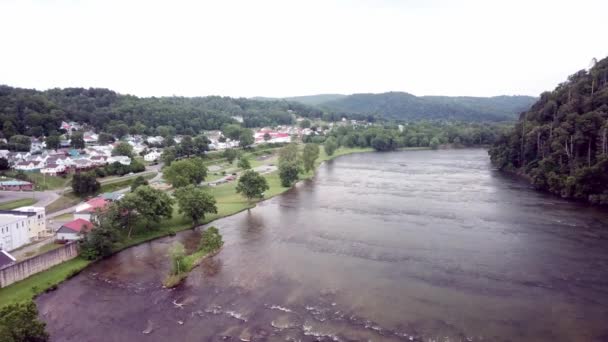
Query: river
x=400, y=246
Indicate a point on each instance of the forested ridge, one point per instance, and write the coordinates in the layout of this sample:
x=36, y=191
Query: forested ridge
x=36, y=113
x=407, y=107
x=561, y=143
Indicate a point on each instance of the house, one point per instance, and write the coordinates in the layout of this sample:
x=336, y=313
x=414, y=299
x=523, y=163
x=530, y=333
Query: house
x=54, y=169
x=152, y=156
x=73, y=230
x=88, y=210
x=90, y=138
x=36, y=223
x=6, y=259
x=16, y=185
x=124, y=160
x=13, y=231
x=157, y=140
x=37, y=145
x=29, y=166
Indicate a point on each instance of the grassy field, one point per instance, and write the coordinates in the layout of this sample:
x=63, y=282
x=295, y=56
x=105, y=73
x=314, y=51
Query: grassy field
x=122, y=183
x=228, y=203
x=65, y=201
x=36, y=284
x=17, y=203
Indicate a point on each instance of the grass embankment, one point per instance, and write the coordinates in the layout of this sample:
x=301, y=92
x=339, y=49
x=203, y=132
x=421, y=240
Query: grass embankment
x=23, y=202
x=28, y=288
x=228, y=203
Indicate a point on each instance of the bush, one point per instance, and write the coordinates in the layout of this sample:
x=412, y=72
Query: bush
x=211, y=240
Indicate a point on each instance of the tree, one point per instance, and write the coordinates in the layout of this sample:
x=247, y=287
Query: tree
x=21, y=143
x=19, y=323
x=232, y=131
x=305, y=123
x=118, y=128
x=150, y=205
x=230, y=155
x=4, y=165
x=288, y=172
x=185, y=147
x=195, y=202
x=330, y=146
x=177, y=254
x=211, y=240
x=53, y=142
x=309, y=156
x=252, y=185
x=200, y=145
x=123, y=149
x=383, y=142
x=289, y=154
x=244, y=163
x=105, y=138
x=184, y=172
x=435, y=143
x=246, y=138
x=85, y=183
x=137, y=182
x=99, y=241
x=77, y=140
x=168, y=155
x=267, y=136
x=8, y=129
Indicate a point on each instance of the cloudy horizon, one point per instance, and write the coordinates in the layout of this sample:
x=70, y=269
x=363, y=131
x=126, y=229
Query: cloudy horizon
x=288, y=48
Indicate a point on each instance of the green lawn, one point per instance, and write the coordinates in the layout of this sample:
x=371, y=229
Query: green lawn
x=49, y=182
x=65, y=201
x=17, y=203
x=28, y=288
x=112, y=186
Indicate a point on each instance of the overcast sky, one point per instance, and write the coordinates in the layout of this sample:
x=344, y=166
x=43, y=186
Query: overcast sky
x=285, y=48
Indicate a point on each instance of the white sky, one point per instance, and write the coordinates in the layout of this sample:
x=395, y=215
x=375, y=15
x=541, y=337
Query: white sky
x=284, y=48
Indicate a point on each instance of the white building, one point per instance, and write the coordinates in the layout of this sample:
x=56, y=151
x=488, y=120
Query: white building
x=13, y=231
x=36, y=221
x=152, y=156
x=124, y=160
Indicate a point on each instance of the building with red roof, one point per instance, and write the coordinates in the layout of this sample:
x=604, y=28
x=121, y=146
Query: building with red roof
x=90, y=208
x=73, y=230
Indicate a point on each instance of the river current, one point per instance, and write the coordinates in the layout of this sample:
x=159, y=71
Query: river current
x=400, y=246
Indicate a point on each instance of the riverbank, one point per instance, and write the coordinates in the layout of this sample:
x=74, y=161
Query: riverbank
x=228, y=203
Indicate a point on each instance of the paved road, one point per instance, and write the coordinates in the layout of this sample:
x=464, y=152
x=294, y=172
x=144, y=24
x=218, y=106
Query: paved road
x=43, y=198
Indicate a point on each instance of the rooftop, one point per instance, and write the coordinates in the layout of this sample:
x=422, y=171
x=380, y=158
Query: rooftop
x=79, y=225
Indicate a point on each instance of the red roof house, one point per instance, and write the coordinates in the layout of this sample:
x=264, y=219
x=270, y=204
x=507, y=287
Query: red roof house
x=73, y=230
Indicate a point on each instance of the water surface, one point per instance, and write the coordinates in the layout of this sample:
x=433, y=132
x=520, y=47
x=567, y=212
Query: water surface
x=417, y=245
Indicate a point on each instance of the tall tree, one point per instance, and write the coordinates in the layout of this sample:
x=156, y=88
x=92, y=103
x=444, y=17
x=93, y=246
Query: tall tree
x=19, y=323
x=184, y=172
x=53, y=142
x=195, y=202
x=77, y=140
x=123, y=149
x=252, y=185
x=309, y=156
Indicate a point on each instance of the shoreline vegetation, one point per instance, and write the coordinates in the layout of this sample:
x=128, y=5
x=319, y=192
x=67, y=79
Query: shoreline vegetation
x=228, y=203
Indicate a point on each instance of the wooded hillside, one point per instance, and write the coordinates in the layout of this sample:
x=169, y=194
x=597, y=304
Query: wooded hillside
x=562, y=141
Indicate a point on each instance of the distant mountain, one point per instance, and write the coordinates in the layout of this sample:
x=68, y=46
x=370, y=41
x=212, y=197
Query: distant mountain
x=315, y=100
x=404, y=106
x=310, y=100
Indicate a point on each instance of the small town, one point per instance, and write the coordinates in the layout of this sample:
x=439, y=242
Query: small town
x=30, y=230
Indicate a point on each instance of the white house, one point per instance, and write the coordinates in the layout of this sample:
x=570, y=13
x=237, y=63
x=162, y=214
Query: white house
x=53, y=169
x=13, y=231
x=152, y=156
x=124, y=160
x=73, y=230
x=36, y=221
